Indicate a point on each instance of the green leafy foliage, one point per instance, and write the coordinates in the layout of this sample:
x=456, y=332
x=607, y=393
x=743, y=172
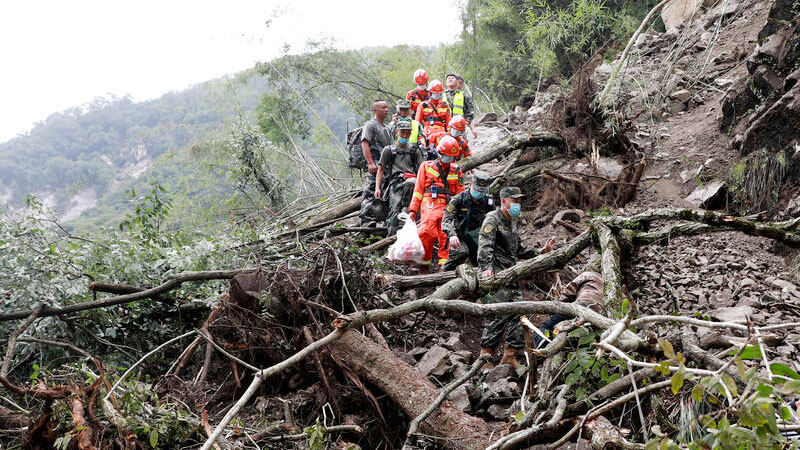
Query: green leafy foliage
x=40, y=263
x=585, y=372
x=317, y=436
x=749, y=418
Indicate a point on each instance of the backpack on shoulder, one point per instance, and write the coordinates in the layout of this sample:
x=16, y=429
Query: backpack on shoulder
x=355, y=155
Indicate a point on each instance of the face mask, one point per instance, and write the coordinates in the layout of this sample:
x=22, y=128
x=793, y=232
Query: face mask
x=436, y=96
x=402, y=141
x=454, y=132
x=421, y=87
x=403, y=118
x=476, y=195
x=514, y=209
x=446, y=159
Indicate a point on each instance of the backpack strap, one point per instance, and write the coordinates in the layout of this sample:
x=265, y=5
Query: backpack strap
x=443, y=175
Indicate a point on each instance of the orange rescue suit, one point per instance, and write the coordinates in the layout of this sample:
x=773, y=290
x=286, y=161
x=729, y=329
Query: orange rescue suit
x=434, y=115
x=463, y=147
x=416, y=97
x=428, y=202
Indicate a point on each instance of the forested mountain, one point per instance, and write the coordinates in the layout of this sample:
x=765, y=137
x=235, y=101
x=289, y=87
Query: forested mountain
x=86, y=152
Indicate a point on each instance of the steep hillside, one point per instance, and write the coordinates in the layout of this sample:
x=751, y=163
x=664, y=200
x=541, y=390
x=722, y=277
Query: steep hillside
x=76, y=157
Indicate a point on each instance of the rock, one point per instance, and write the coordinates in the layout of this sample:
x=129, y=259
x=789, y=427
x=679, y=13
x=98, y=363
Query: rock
x=767, y=81
x=697, y=98
x=569, y=215
x=677, y=12
x=459, y=370
x=724, y=10
x=793, y=208
x=460, y=398
x=418, y=352
x=503, y=388
x=771, y=51
x=486, y=118
x=738, y=100
x=681, y=95
x=791, y=80
x=408, y=359
x=499, y=372
x=691, y=174
x=707, y=195
x=724, y=82
x=454, y=343
x=675, y=106
x=604, y=69
x=436, y=362
x=781, y=12
x=747, y=283
x=466, y=354
x=497, y=412
x=732, y=314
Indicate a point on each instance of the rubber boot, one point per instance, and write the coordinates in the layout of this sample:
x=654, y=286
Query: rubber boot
x=490, y=352
x=510, y=357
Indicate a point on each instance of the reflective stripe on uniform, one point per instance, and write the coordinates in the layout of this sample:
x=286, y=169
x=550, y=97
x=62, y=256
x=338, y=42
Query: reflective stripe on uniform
x=418, y=195
x=442, y=262
x=426, y=263
x=432, y=171
x=452, y=176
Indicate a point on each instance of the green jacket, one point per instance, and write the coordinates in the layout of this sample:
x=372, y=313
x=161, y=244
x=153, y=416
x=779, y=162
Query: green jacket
x=499, y=245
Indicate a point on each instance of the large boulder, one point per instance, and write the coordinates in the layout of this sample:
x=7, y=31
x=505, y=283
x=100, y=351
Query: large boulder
x=678, y=12
x=707, y=195
x=436, y=362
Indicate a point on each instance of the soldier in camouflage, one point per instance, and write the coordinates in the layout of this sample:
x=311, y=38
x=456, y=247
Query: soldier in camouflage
x=499, y=247
x=463, y=218
x=586, y=290
x=399, y=164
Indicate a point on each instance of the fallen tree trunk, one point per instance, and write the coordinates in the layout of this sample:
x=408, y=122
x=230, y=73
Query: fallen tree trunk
x=513, y=142
x=779, y=231
x=336, y=212
x=612, y=272
x=168, y=285
x=401, y=282
x=523, y=173
x=411, y=391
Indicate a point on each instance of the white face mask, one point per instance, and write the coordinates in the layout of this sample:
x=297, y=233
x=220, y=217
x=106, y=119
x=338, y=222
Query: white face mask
x=454, y=132
x=436, y=96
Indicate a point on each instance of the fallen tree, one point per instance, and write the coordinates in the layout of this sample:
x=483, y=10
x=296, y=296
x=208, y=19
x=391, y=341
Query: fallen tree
x=559, y=414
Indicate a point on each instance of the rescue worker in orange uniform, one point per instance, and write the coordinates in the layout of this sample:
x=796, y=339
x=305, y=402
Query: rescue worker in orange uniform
x=434, y=114
x=437, y=182
x=420, y=93
x=458, y=126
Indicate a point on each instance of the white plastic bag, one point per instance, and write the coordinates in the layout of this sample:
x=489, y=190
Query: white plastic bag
x=408, y=247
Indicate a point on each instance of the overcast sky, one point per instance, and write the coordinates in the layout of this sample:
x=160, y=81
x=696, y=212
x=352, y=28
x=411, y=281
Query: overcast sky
x=57, y=54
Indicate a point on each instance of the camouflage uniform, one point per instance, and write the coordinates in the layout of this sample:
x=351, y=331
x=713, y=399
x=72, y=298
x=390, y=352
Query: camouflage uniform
x=499, y=247
x=377, y=135
x=463, y=218
x=399, y=161
x=587, y=288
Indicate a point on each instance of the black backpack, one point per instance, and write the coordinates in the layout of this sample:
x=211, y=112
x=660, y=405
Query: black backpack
x=355, y=156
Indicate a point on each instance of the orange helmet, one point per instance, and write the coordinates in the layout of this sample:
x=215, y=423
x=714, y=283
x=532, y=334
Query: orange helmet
x=458, y=122
x=420, y=76
x=436, y=87
x=448, y=146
